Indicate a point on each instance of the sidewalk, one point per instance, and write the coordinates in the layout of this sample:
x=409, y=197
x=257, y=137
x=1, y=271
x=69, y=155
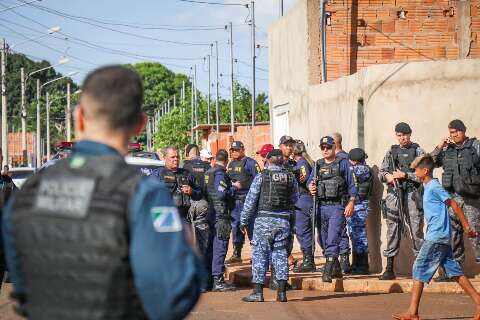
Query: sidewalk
x=240, y=275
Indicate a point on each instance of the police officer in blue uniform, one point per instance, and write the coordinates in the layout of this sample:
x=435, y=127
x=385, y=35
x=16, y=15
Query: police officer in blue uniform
x=220, y=194
x=90, y=237
x=357, y=223
x=345, y=240
x=242, y=169
x=270, y=202
x=303, y=208
x=336, y=193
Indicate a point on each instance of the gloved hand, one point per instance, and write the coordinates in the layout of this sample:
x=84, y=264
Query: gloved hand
x=223, y=228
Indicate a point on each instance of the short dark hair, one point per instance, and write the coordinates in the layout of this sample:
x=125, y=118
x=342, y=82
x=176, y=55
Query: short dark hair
x=426, y=162
x=118, y=94
x=276, y=160
x=189, y=148
x=222, y=155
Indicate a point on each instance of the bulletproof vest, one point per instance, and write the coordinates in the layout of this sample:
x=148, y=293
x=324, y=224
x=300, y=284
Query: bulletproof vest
x=276, y=191
x=331, y=186
x=221, y=206
x=460, y=161
x=197, y=168
x=236, y=172
x=71, y=227
x=174, y=181
x=363, y=178
x=403, y=157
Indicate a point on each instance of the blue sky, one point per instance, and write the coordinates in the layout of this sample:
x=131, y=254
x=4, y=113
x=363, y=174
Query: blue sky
x=84, y=39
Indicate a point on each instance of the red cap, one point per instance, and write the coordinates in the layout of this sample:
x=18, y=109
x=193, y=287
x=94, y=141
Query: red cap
x=265, y=149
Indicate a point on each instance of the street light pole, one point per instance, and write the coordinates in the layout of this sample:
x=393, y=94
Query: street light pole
x=217, y=107
x=68, y=117
x=48, y=124
x=23, y=116
x=253, y=63
x=4, y=107
x=232, y=107
x=38, y=140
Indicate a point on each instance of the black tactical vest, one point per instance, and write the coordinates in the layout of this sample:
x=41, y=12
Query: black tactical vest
x=221, y=206
x=197, y=168
x=402, y=159
x=364, y=188
x=71, y=227
x=174, y=181
x=236, y=172
x=460, y=162
x=276, y=191
x=331, y=186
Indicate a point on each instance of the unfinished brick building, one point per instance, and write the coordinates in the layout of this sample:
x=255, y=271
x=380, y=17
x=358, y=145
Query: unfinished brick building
x=360, y=33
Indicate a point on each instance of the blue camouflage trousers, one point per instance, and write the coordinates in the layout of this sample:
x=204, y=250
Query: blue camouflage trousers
x=357, y=227
x=270, y=237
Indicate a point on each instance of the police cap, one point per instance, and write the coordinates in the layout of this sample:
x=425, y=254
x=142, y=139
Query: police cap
x=327, y=140
x=286, y=139
x=237, y=145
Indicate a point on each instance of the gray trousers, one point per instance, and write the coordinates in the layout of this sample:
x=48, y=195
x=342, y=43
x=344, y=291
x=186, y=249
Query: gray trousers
x=471, y=208
x=394, y=234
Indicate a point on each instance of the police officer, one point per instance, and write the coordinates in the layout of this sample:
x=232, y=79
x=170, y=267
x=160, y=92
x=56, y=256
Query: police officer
x=263, y=152
x=220, y=194
x=303, y=208
x=336, y=193
x=90, y=237
x=181, y=183
x=242, y=169
x=395, y=171
x=286, y=146
x=357, y=223
x=198, y=211
x=344, y=241
x=459, y=156
x=270, y=202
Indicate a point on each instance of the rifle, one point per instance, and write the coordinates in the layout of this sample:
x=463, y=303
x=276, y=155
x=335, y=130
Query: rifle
x=400, y=192
x=314, y=209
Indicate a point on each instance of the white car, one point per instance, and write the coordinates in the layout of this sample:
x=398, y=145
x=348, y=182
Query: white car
x=145, y=165
x=20, y=174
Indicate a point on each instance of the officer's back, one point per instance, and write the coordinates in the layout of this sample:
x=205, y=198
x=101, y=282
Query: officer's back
x=90, y=238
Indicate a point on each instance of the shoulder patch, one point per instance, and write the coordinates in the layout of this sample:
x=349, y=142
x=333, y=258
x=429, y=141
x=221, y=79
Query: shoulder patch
x=166, y=219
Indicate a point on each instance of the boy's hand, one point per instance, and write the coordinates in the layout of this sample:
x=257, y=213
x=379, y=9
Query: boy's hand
x=470, y=233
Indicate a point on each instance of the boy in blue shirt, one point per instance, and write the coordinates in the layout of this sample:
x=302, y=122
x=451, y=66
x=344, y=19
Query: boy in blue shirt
x=436, y=250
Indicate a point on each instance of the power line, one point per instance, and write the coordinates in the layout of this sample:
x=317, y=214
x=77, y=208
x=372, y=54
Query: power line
x=215, y=3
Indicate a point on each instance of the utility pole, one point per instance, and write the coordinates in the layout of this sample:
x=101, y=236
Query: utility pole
x=39, y=150
x=232, y=108
x=192, y=109
x=48, y=125
x=196, y=102
x=69, y=114
x=4, y=107
x=253, y=63
x=281, y=8
x=217, y=107
x=24, y=117
x=209, y=87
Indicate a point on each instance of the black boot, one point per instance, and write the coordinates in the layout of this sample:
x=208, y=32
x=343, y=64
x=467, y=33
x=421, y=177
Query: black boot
x=273, y=283
x=236, y=256
x=345, y=263
x=282, y=291
x=362, y=265
x=355, y=262
x=219, y=285
x=208, y=285
x=327, y=270
x=308, y=264
x=336, y=270
x=389, y=274
x=256, y=295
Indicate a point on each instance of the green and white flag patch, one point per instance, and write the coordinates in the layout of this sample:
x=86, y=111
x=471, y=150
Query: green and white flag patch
x=166, y=219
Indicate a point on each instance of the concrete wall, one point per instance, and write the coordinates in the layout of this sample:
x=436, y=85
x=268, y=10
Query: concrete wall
x=427, y=95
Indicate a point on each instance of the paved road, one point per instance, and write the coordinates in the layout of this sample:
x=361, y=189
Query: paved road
x=310, y=305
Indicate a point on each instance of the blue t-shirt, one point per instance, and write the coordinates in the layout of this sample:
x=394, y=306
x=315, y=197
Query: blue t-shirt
x=436, y=213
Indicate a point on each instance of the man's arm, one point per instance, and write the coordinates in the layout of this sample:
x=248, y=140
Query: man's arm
x=224, y=192
x=311, y=175
x=461, y=216
x=250, y=206
x=167, y=272
x=196, y=190
x=252, y=167
x=352, y=189
x=385, y=168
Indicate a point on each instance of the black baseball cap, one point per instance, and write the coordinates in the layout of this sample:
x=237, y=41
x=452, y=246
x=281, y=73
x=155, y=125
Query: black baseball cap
x=237, y=145
x=275, y=153
x=357, y=154
x=327, y=140
x=286, y=139
x=457, y=124
x=403, y=127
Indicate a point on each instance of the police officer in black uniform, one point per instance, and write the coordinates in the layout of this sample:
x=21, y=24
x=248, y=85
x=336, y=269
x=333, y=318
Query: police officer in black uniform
x=90, y=237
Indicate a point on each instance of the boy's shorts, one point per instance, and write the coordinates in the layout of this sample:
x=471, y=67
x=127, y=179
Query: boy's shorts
x=431, y=256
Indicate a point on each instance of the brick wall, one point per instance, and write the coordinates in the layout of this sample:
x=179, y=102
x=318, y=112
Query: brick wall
x=368, y=32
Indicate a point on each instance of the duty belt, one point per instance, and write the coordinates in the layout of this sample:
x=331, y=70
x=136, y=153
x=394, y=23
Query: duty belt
x=331, y=202
x=274, y=215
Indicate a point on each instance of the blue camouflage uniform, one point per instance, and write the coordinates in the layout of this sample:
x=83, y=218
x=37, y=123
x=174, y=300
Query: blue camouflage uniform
x=251, y=168
x=357, y=223
x=271, y=231
x=167, y=273
x=225, y=192
x=345, y=241
x=303, y=207
x=332, y=222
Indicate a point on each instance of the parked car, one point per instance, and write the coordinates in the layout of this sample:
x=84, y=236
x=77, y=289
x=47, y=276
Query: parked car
x=145, y=154
x=145, y=165
x=20, y=174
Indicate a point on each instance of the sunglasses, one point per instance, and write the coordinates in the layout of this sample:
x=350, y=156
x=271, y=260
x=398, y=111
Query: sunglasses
x=326, y=147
